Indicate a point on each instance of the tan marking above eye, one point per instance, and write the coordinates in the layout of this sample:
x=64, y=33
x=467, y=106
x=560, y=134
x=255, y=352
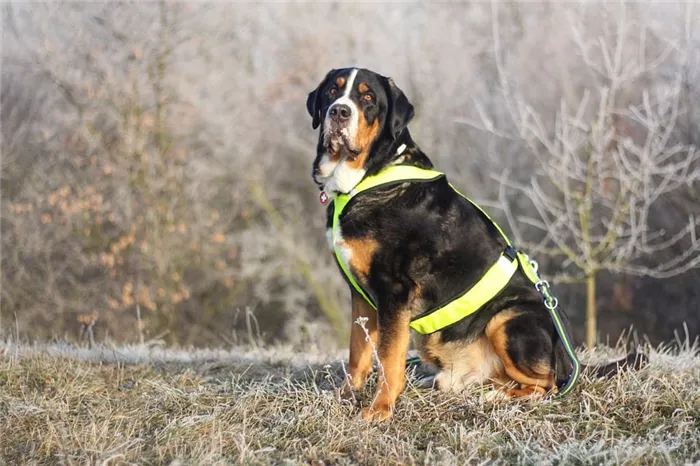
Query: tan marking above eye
x=340, y=82
x=363, y=87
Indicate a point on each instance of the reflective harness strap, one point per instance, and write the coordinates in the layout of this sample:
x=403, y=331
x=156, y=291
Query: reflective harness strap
x=529, y=268
x=339, y=205
x=494, y=280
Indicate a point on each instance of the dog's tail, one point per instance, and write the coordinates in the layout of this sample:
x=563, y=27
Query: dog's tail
x=633, y=361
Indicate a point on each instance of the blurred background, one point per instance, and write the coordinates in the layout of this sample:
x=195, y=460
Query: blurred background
x=156, y=156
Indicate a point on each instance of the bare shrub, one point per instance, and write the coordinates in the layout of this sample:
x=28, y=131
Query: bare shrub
x=606, y=166
x=158, y=154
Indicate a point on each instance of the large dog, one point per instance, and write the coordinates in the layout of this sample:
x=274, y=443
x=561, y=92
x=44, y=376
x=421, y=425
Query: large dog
x=414, y=246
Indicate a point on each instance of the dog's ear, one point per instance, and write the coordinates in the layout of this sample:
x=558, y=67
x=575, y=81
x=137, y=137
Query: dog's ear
x=313, y=102
x=401, y=110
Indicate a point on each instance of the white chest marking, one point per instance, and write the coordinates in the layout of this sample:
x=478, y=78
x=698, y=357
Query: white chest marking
x=336, y=243
x=344, y=178
x=329, y=238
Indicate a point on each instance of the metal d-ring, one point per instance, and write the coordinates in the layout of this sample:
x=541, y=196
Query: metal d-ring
x=551, y=303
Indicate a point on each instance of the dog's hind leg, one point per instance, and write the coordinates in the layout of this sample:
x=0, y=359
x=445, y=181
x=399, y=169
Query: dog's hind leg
x=523, y=342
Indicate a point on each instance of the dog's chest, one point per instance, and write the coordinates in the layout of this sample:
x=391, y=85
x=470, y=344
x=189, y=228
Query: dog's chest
x=340, y=175
x=338, y=246
x=355, y=254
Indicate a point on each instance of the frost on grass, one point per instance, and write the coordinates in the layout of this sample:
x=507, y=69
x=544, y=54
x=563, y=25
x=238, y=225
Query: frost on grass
x=144, y=354
x=62, y=404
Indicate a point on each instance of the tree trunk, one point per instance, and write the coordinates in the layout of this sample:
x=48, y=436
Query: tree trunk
x=591, y=319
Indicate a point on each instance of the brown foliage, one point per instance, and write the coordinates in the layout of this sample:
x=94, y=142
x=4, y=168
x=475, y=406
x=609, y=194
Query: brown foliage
x=156, y=156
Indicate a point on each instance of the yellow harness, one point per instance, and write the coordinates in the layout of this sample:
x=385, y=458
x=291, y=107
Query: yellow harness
x=494, y=280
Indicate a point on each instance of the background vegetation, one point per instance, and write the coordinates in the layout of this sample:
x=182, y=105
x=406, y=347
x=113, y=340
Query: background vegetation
x=156, y=157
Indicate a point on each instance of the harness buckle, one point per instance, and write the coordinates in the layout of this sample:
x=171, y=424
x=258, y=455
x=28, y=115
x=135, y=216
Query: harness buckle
x=550, y=301
x=510, y=252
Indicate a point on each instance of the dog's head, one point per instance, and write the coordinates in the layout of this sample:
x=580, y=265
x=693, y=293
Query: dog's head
x=357, y=111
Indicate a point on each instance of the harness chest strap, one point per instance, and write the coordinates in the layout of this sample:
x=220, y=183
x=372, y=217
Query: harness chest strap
x=494, y=280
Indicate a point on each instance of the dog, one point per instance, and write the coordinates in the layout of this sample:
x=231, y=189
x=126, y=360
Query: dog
x=414, y=246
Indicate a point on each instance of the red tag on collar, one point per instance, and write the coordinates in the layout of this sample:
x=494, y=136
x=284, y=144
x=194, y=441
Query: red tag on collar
x=323, y=197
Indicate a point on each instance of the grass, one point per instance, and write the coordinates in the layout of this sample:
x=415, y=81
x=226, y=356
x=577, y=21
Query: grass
x=61, y=404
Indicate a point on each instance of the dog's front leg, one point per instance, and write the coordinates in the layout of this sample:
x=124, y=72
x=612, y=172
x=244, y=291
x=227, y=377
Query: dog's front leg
x=363, y=340
x=394, y=338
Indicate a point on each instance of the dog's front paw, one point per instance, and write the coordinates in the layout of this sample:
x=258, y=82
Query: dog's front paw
x=377, y=412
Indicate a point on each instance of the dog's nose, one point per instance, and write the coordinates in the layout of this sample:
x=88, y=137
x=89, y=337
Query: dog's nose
x=340, y=112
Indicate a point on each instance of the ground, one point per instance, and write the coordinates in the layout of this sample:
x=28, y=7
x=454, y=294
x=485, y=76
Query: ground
x=62, y=404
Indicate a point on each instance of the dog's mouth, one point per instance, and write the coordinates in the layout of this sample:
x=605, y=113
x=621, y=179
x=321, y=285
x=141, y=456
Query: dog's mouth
x=341, y=155
x=337, y=154
x=345, y=152
x=338, y=143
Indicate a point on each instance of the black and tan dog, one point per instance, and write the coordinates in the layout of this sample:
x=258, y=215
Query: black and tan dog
x=414, y=246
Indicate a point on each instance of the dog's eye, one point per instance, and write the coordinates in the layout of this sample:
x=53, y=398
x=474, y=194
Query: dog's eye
x=368, y=98
x=333, y=91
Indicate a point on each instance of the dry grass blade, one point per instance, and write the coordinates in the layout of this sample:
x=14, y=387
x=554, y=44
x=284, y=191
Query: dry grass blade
x=134, y=405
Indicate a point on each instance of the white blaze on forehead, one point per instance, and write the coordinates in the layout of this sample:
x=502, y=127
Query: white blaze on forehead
x=351, y=81
x=345, y=99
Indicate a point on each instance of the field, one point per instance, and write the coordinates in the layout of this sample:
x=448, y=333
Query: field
x=62, y=404
x=156, y=196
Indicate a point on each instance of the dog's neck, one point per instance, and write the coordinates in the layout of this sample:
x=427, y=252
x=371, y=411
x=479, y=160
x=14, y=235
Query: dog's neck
x=395, y=152
x=402, y=151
